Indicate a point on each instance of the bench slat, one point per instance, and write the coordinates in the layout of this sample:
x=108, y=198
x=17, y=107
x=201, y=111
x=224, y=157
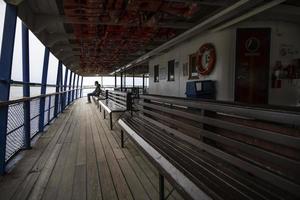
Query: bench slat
x=278, y=116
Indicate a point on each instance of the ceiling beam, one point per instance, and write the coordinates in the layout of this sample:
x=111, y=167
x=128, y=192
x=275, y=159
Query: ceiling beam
x=14, y=2
x=43, y=21
x=206, y=2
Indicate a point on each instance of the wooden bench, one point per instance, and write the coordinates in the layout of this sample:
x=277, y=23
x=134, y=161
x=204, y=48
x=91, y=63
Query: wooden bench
x=217, y=150
x=115, y=102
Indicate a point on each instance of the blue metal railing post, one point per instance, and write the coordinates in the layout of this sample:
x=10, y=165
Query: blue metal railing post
x=43, y=89
x=6, y=57
x=81, y=87
x=77, y=86
x=65, y=88
x=58, y=83
x=70, y=86
x=61, y=90
x=49, y=107
x=26, y=86
x=73, y=91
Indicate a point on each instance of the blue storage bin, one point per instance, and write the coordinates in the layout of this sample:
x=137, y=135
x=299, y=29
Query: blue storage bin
x=201, y=89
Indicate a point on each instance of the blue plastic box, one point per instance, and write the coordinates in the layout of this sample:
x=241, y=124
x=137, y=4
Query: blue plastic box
x=201, y=89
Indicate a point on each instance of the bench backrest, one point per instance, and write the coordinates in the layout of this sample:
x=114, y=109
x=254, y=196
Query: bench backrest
x=262, y=142
x=121, y=98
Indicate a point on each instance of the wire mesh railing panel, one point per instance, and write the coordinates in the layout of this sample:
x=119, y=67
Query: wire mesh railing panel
x=34, y=126
x=14, y=142
x=66, y=98
x=52, y=101
x=47, y=103
x=15, y=117
x=51, y=114
x=34, y=116
x=34, y=108
x=46, y=114
x=15, y=130
x=46, y=118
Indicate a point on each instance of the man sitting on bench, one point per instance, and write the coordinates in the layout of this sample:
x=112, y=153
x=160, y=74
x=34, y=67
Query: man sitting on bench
x=96, y=92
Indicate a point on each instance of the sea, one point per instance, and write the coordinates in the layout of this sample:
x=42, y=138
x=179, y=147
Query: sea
x=16, y=92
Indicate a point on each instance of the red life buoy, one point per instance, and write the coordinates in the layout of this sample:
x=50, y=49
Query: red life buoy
x=211, y=59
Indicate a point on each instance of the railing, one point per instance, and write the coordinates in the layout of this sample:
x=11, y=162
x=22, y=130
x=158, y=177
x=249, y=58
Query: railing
x=55, y=103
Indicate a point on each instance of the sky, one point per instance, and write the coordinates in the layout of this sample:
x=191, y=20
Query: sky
x=36, y=58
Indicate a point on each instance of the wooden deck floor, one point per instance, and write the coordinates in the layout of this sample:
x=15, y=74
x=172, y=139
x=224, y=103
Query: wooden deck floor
x=78, y=157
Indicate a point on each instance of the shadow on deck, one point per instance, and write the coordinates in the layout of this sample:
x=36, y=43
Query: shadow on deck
x=78, y=157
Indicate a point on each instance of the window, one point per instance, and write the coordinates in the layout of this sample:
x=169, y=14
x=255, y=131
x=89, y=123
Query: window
x=193, y=74
x=52, y=73
x=36, y=58
x=17, y=69
x=2, y=16
x=171, y=66
x=156, y=73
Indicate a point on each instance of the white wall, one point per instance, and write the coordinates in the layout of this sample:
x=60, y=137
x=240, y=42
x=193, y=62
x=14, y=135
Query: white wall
x=224, y=41
x=223, y=71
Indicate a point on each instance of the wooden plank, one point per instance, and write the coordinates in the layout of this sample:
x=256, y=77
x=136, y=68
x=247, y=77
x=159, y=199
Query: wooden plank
x=66, y=184
x=64, y=190
x=42, y=181
x=121, y=186
x=132, y=180
x=107, y=186
x=93, y=183
x=79, y=184
x=57, y=174
x=135, y=151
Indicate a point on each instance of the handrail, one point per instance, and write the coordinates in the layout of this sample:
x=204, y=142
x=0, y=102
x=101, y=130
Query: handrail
x=29, y=83
x=24, y=99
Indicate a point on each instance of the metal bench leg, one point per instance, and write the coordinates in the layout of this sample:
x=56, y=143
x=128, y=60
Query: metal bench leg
x=110, y=117
x=161, y=187
x=104, y=114
x=122, y=138
x=100, y=107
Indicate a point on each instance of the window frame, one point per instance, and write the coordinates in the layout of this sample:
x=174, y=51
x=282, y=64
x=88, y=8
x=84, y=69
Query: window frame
x=156, y=73
x=192, y=56
x=171, y=68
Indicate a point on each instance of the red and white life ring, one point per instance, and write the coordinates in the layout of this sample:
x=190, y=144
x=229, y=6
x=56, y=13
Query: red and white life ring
x=209, y=51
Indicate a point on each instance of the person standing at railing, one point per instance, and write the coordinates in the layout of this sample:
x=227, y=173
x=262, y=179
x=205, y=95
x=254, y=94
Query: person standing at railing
x=96, y=92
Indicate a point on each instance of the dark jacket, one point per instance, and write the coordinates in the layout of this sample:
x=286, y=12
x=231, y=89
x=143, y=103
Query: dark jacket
x=97, y=91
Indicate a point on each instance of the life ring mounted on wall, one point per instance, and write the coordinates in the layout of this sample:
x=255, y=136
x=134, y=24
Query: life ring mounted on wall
x=206, y=59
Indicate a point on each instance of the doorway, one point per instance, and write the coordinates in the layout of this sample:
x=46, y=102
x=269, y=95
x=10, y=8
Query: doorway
x=252, y=65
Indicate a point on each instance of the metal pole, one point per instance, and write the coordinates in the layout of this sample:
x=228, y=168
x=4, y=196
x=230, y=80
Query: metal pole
x=133, y=78
x=26, y=86
x=65, y=88
x=81, y=87
x=77, y=86
x=70, y=86
x=6, y=57
x=143, y=83
x=73, y=91
x=43, y=89
x=61, y=99
x=115, y=80
x=125, y=80
x=58, y=83
x=121, y=81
